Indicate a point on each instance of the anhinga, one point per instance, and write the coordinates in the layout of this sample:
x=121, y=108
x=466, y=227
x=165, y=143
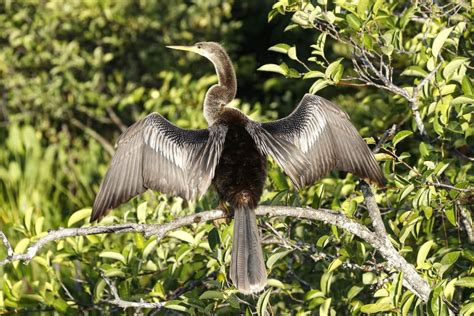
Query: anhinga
x=232, y=155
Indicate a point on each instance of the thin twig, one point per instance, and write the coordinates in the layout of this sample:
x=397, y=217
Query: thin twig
x=117, y=301
x=451, y=187
x=388, y=134
x=107, y=146
x=7, y=244
x=116, y=119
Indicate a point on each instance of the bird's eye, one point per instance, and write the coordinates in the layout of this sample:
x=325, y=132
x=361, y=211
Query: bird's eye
x=199, y=46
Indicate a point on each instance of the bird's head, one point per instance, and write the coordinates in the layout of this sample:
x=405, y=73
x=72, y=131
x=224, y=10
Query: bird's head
x=211, y=50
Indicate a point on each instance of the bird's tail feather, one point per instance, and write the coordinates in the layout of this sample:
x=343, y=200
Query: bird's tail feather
x=247, y=268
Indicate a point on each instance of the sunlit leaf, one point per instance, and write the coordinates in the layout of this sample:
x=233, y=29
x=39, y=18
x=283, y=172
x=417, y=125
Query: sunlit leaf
x=273, y=68
x=262, y=302
x=112, y=255
x=79, y=216
x=423, y=252
x=440, y=40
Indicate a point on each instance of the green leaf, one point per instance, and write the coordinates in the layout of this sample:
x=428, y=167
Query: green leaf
x=440, y=40
x=451, y=215
x=407, y=190
x=262, y=303
x=292, y=53
x=415, y=71
x=151, y=245
x=213, y=238
x=448, y=260
x=377, y=5
x=362, y=7
x=182, y=235
x=39, y=225
x=99, y=290
x=464, y=99
x=440, y=168
x=353, y=21
x=212, y=295
x=275, y=283
x=467, y=85
x=400, y=136
x=27, y=219
x=467, y=309
x=114, y=273
x=465, y=282
x=453, y=66
x=79, y=216
x=113, y=255
x=383, y=157
x=369, y=278
x=141, y=212
x=318, y=85
x=275, y=257
x=21, y=245
x=334, y=264
x=407, y=304
x=273, y=68
x=174, y=305
x=281, y=48
x=313, y=294
x=332, y=68
x=377, y=308
x=324, y=307
x=313, y=74
x=354, y=291
x=423, y=252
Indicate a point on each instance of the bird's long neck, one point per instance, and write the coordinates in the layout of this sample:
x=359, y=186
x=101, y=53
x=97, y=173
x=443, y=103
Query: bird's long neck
x=224, y=91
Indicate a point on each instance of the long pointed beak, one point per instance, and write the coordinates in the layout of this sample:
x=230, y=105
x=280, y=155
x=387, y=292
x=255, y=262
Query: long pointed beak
x=185, y=48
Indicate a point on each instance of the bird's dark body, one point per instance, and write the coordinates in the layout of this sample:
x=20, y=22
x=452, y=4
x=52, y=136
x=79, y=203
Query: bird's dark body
x=242, y=169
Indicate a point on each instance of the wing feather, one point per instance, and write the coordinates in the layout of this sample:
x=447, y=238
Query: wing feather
x=155, y=154
x=313, y=140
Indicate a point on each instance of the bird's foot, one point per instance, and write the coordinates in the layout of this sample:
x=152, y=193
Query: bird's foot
x=225, y=220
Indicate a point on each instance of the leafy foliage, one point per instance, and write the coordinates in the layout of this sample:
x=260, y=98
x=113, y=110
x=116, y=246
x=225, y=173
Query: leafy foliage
x=74, y=73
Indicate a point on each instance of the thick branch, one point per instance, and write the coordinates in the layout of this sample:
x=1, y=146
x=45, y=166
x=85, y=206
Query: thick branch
x=467, y=222
x=394, y=259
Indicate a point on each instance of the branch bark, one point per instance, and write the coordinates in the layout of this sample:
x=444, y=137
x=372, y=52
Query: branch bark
x=117, y=301
x=413, y=281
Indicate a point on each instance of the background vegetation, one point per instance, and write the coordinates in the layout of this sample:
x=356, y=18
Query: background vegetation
x=74, y=74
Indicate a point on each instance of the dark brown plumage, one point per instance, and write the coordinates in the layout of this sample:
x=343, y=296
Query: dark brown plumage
x=232, y=154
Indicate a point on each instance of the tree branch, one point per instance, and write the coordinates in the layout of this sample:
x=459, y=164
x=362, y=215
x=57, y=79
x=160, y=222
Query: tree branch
x=467, y=222
x=109, y=148
x=128, y=304
x=412, y=280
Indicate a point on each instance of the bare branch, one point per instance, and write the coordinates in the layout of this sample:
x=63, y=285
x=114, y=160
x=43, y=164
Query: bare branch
x=411, y=279
x=107, y=146
x=451, y=187
x=388, y=133
x=128, y=304
x=419, y=286
x=116, y=119
x=374, y=212
x=7, y=245
x=467, y=222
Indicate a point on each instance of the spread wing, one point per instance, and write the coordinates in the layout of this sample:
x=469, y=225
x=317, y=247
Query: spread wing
x=313, y=140
x=155, y=154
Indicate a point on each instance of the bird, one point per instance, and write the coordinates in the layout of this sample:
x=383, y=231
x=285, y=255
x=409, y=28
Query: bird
x=231, y=155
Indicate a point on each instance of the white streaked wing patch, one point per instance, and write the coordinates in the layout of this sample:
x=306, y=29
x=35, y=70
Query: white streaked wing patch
x=313, y=140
